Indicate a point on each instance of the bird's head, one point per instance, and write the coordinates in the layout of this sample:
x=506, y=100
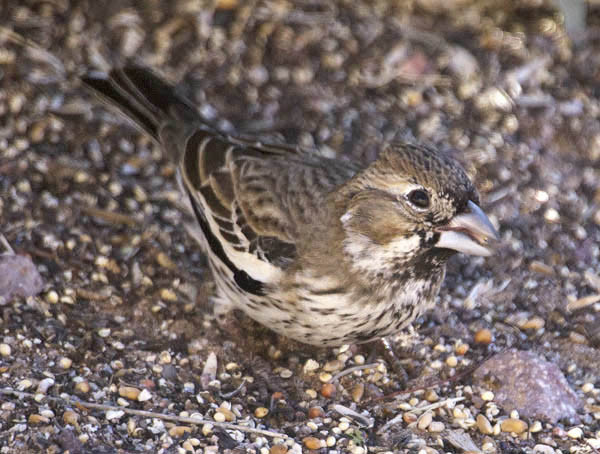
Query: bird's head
x=412, y=203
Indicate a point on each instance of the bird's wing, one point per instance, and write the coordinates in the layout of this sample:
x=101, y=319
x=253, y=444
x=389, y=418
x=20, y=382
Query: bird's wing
x=251, y=198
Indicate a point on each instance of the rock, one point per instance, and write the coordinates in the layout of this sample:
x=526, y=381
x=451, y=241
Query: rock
x=525, y=382
x=18, y=277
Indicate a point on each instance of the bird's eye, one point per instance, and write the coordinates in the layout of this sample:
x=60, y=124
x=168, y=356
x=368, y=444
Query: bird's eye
x=419, y=198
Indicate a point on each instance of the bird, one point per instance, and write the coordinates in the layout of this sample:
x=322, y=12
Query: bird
x=324, y=251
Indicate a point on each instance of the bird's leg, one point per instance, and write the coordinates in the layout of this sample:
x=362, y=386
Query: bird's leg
x=393, y=357
x=385, y=348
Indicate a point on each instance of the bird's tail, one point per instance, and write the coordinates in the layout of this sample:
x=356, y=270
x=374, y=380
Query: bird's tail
x=143, y=97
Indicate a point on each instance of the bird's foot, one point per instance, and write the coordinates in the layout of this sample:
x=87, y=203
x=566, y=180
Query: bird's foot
x=394, y=357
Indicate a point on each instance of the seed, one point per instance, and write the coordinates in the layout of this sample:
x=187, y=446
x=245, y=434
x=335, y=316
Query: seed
x=312, y=443
x=409, y=417
x=425, y=420
x=65, y=363
x=451, y=361
x=328, y=390
x=325, y=377
x=513, y=425
x=70, y=417
x=487, y=396
x=129, y=392
x=5, y=350
x=37, y=419
x=310, y=366
x=461, y=349
x=483, y=336
x=357, y=392
x=484, y=425
x=278, y=449
x=82, y=387
x=179, y=431
x=315, y=412
x=261, y=412
x=436, y=426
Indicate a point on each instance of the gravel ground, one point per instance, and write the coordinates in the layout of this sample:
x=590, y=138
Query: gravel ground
x=122, y=331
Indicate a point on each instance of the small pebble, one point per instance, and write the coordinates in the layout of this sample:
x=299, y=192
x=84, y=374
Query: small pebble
x=165, y=357
x=483, y=336
x=70, y=417
x=52, y=297
x=114, y=414
x=312, y=443
x=315, y=412
x=534, y=323
x=517, y=426
x=328, y=390
x=409, y=417
x=82, y=387
x=535, y=427
x=5, y=350
x=285, y=373
x=461, y=349
x=278, y=449
x=359, y=360
x=487, y=396
x=312, y=426
x=65, y=363
x=179, y=431
x=37, y=419
x=229, y=415
x=219, y=417
x=586, y=388
x=451, y=361
x=207, y=429
x=431, y=396
x=325, y=377
x=543, y=449
x=45, y=384
x=261, y=412
x=144, y=396
x=575, y=432
x=168, y=295
x=129, y=392
x=358, y=391
x=310, y=366
x=333, y=366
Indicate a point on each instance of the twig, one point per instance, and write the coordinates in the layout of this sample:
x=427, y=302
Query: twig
x=398, y=418
x=235, y=392
x=111, y=217
x=435, y=405
x=390, y=423
x=363, y=420
x=148, y=414
x=353, y=369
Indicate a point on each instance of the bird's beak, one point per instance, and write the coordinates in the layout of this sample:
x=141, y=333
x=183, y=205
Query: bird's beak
x=470, y=233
